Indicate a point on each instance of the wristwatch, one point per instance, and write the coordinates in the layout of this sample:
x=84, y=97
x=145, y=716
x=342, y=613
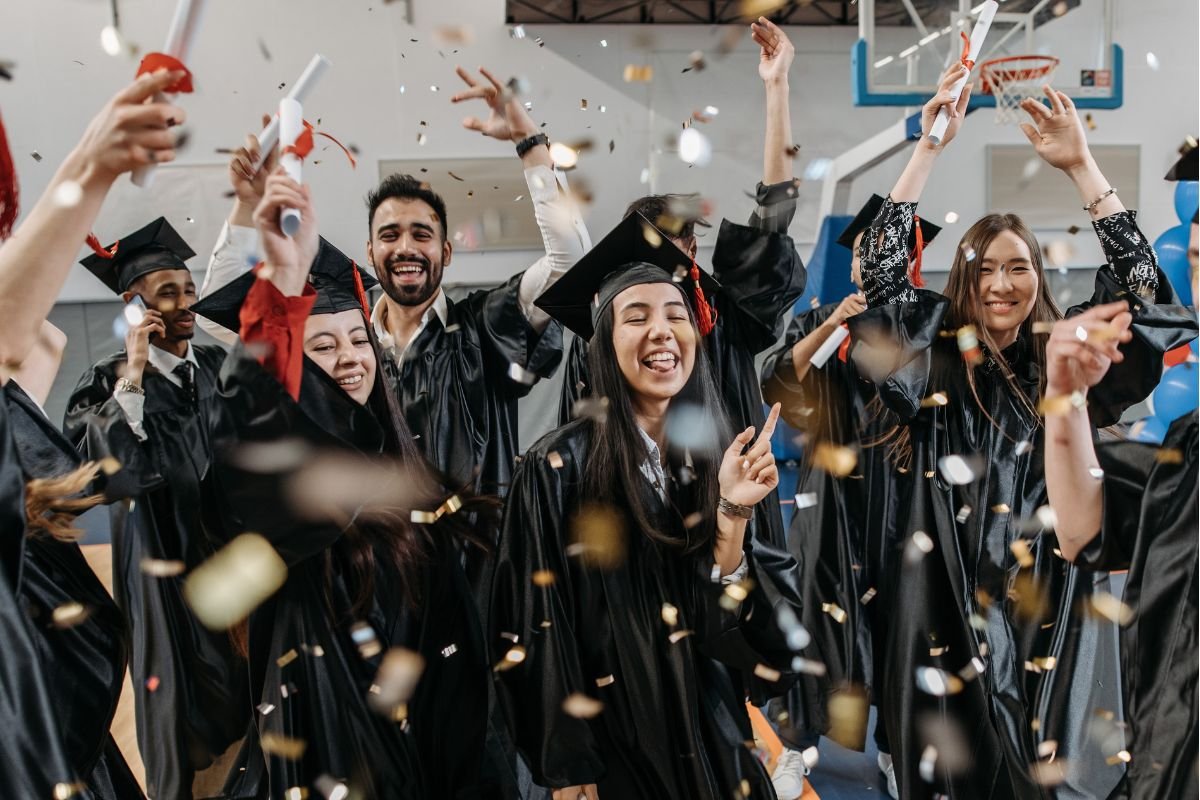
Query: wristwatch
x=735, y=510
x=525, y=145
x=126, y=385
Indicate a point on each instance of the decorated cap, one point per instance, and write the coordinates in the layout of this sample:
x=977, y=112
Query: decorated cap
x=867, y=215
x=340, y=285
x=633, y=253
x=155, y=247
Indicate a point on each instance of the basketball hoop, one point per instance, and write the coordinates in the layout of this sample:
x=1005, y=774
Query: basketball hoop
x=1013, y=78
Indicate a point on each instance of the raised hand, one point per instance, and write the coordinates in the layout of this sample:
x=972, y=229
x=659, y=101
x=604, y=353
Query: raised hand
x=507, y=118
x=1081, y=349
x=944, y=97
x=288, y=257
x=137, y=344
x=248, y=185
x=776, y=52
x=1056, y=133
x=855, y=303
x=130, y=132
x=747, y=478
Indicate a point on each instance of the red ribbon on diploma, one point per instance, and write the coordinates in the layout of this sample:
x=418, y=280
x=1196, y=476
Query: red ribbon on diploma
x=965, y=58
x=304, y=144
x=844, y=347
x=156, y=61
x=915, y=271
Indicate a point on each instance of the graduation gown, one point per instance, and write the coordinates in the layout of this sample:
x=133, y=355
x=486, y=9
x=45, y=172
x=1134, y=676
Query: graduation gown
x=843, y=537
x=761, y=276
x=85, y=663
x=33, y=758
x=673, y=722
x=309, y=678
x=990, y=586
x=1149, y=528
x=196, y=708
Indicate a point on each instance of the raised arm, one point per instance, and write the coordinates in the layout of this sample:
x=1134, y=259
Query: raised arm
x=776, y=195
x=127, y=133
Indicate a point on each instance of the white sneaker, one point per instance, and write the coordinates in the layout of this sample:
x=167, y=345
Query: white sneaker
x=889, y=771
x=788, y=777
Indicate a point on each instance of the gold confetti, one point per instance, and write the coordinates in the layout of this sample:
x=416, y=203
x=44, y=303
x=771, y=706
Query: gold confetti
x=109, y=465
x=678, y=636
x=1091, y=121
x=234, y=581
x=767, y=673
x=835, y=611
x=397, y=677
x=607, y=680
x=422, y=517
x=1043, y=328
x=600, y=533
x=283, y=746
x=556, y=461
x=973, y=669
x=1020, y=550
x=296, y=793
x=638, y=73
x=938, y=682
x=514, y=656
x=580, y=706
x=919, y=545
x=735, y=594
x=939, y=651
x=594, y=408
x=287, y=658
x=753, y=9
x=935, y=400
x=692, y=520
x=162, y=568
x=670, y=614
x=1001, y=508
x=834, y=459
x=543, y=577
x=968, y=345
x=65, y=791
x=364, y=637
x=1111, y=608
x=70, y=614
x=1169, y=455
x=848, y=710
x=868, y=596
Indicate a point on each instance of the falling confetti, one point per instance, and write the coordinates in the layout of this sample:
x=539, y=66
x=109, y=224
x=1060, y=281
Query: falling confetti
x=580, y=706
x=868, y=596
x=967, y=251
x=600, y=533
x=223, y=590
x=836, y=460
x=767, y=673
x=806, y=500
x=817, y=169
x=796, y=634
x=69, y=614
x=397, y=677
x=934, y=400
x=670, y=614
x=110, y=40
x=694, y=147
x=68, y=194
x=36, y=155
x=517, y=32
x=521, y=375
x=638, y=73
x=959, y=470
x=848, y=710
x=678, y=636
x=286, y=747
x=543, y=577
x=563, y=156
x=1152, y=61
x=806, y=666
x=331, y=788
x=938, y=682
x=968, y=345
x=951, y=217
x=364, y=638
x=594, y=408
x=963, y=515
x=919, y=545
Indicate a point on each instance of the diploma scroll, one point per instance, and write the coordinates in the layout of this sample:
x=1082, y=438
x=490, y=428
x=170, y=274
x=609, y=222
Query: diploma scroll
x=269, y=136
x=829, y=346
x=291, y=125
x=179, y=44
x=978, y=34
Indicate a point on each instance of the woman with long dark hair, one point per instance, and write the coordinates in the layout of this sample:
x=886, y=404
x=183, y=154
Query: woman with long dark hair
x=628, y=562
x=988, y=664
x=368, y=665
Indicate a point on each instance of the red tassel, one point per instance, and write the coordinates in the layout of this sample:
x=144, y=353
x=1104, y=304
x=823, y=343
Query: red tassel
x=844, y=347
x=9, y=190
x=99, y=249
x=914, y=271
x=359, y=290
x=706, y=315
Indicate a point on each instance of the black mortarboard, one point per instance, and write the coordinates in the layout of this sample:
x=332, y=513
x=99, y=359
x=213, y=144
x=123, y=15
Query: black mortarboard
x=155, y=247
x=333, y=276
x=867, y=215
x=1185, y=169
x=633, y=253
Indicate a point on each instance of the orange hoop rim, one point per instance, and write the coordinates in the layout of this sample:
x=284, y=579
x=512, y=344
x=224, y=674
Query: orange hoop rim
x=999, y=68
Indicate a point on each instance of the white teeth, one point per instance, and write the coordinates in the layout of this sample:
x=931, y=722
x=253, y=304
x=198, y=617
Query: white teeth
x=407, y=270
x=350, y=381
x=661, y=357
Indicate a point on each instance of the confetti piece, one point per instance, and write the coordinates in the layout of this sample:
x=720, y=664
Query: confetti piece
x=968, y=252
x=968, y=345
x=287, y=658
x=517, y=32
x=1020, y=550
x=265, y=708
x=1168, y=455
x=600, y=533
x=563, y=156
x=928, y=762
x=1152, y=61
x=938, y=682
x=581, y=706
x=152, y=684
x=835, y=611
x=1090, y=120
x=963, y=514
x=694, y=147
x=919, y=545
x=678, y=636
x=396, y=679
x=951, y=217
x=767, y=673
x=331, y=788
x=286, y=747
x=1111, y=608
x=604, y=43
x=68, y=194
x=973, y=669
x=934, y=400
x=806, y=500
x=638, y=73
x=806, y=666
x=36, y=155
x=735, y=594
x=1001, y=508
x=422, y=517
x=421, y=139
x=65, y=791
x=69, y=614
x=817, y=169
x=939, y=651
x=847, y=711
x=670, y=614
x=959, y=470
x=161, y=568
x=868, y=596
x=543, y=577
x=363, y=636
x=836, y=460
x=110, y=40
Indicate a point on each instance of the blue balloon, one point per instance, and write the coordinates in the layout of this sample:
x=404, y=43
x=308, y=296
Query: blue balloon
x=1172, y=249
x=1187, y=198
x=1195, y=345
x=1176, y=393
x=1150, y=430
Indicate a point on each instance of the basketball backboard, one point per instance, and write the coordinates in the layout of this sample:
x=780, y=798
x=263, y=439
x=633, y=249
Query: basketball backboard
x=904, y=46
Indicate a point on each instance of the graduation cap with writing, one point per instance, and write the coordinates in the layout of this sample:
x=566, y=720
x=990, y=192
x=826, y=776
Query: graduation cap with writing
x=922, y=233
x=340, y=285
x=1186, y=168
x=633, y=253
x=155, y=247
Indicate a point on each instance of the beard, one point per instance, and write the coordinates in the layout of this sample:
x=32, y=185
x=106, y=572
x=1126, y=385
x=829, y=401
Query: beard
x=414, y=294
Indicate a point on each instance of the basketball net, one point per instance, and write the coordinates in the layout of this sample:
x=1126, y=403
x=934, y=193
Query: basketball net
x=1012, y=79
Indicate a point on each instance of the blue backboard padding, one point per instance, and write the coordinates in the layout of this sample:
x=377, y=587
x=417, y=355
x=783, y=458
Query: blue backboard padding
x=828, y=267
x=863, y=96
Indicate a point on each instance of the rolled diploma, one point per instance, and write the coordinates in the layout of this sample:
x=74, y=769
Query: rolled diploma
x=978, y=34
x=829, y=346
x=290, y=125
x=179, y=45
x=300, y=89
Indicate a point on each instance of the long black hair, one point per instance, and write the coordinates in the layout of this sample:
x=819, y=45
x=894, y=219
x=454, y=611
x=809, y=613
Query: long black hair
x=613, y=476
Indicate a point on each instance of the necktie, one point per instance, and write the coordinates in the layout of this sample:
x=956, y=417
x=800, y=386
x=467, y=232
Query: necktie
x=184, y=373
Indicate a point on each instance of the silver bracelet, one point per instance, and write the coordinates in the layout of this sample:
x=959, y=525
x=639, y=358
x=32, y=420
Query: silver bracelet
x=1099, y=199
x=735, y=510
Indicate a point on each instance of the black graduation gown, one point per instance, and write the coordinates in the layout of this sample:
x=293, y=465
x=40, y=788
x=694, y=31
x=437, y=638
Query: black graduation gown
x=309, y=680
x=843, y=536
x=673, y=722
x=195, y=708
x=761, y=277
x=1149, y=528
x=971, y=596
x=85, y=664
x=33, y=759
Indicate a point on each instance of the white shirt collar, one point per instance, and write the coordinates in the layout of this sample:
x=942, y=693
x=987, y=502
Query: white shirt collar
x=439, y=307
x=652, y=467
x=166, y=362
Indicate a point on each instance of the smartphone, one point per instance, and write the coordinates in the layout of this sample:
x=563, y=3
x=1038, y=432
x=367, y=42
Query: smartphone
x=135, y=310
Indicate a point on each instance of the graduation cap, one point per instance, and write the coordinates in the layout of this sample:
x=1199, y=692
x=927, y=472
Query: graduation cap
x=922, y=233
x=341, y=285
x=633, y=253
x=1185, y=169
x=155, y=247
